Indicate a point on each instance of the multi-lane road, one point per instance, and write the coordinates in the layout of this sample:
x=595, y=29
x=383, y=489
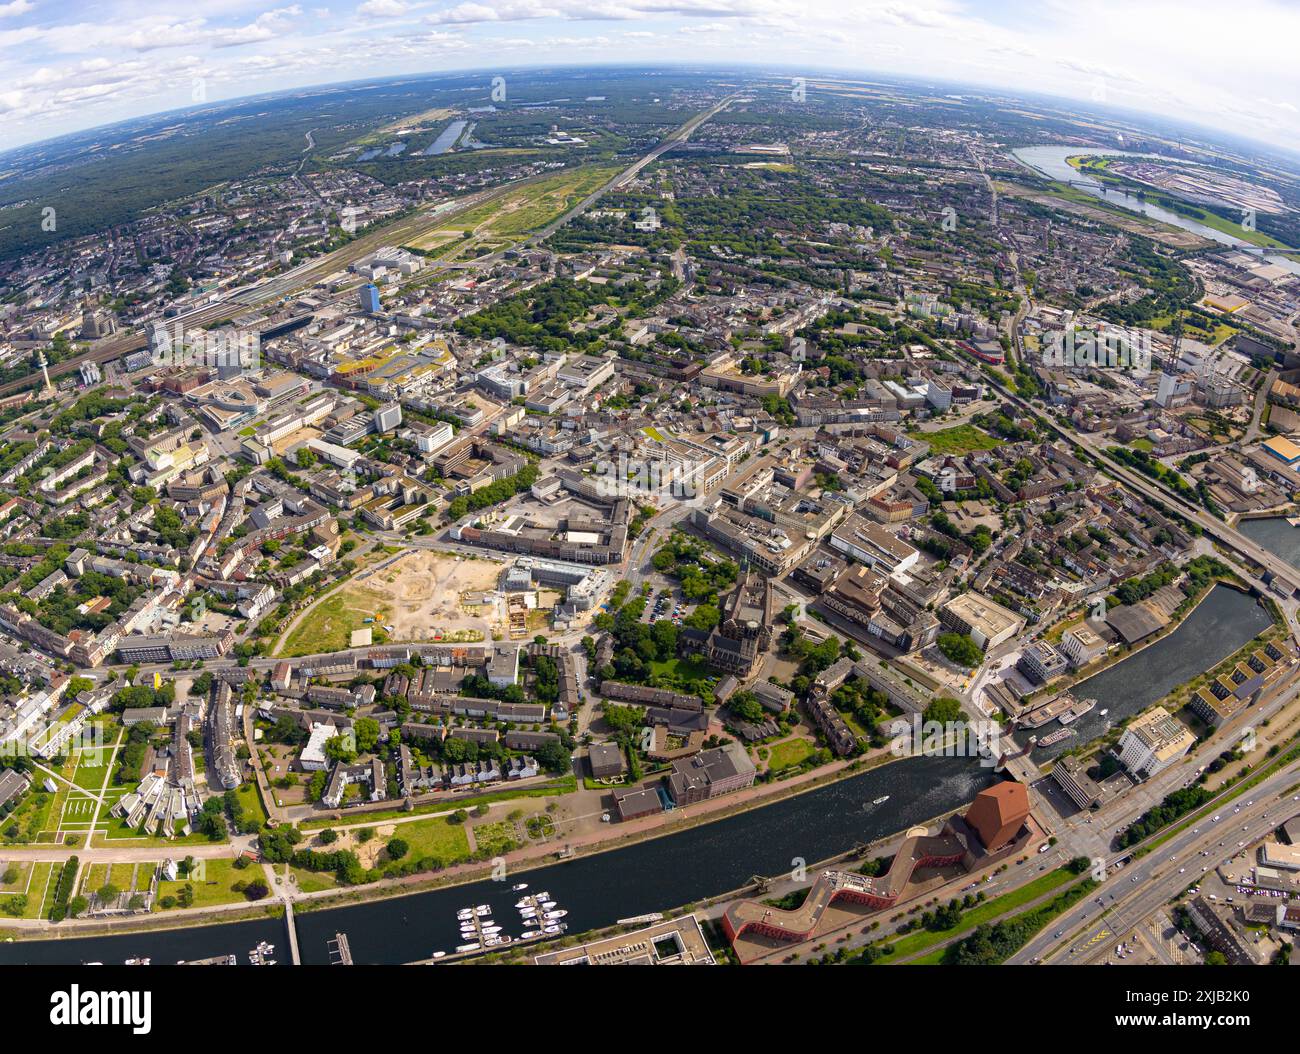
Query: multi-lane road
x=1133, y=893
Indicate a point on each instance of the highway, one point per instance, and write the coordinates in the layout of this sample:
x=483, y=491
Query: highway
x=1132, y=893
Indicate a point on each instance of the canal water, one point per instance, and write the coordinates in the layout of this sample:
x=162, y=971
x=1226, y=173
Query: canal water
x=446, y=139
x=161, y=947
x=1052, y=162
x=704, y=861
x=596, y=891
x=1223, y=622
x=1275, y=535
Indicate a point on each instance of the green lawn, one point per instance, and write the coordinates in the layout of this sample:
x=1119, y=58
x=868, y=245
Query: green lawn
x=692, y=668
x=251, y=801
x=23, y=867
x=561, y=785
x=313, y=881
x=789, y=753
x=25, y=899
x=961, y=439
x=115, y=829
x=211, y=885
x=435, y=837
x=919, y=940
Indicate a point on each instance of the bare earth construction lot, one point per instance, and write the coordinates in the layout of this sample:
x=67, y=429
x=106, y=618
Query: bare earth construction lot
x=420, y=595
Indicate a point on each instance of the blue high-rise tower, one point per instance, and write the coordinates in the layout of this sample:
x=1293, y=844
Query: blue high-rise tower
x=370, y=298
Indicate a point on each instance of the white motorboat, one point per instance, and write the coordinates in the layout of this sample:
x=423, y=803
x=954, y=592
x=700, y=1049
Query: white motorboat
x=473, y=946
x=519, y=888
x=551, y=916
x=465, y=913
x=527, y=902
x=438, y=955
x=552, y=929
x=483, y=909
x=543, y=896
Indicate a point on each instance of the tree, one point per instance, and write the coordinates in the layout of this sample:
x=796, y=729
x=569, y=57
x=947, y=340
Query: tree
x=340, y=748
x=396, y=848
x=316, y=788
x=329, y=836
x=961, y=649
x=366, y=732
x=943, y=709
x=554, y=757
x=745, y=705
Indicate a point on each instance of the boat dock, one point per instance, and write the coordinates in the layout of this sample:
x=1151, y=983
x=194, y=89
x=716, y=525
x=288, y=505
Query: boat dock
x=1049, y=711
x=340, y=952
x=294, y=957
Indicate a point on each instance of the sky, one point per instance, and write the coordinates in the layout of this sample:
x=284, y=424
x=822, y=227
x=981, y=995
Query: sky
x=67, y=65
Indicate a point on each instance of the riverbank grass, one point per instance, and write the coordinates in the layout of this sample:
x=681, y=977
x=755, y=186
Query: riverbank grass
x=907, y=946
x=211, y=884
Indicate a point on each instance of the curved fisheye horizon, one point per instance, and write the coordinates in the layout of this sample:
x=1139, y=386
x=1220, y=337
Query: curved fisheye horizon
x=1085, y=96
x=73, y=66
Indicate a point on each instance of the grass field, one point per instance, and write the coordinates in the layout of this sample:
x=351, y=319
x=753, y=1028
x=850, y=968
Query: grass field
x=919, y=940
x=113, y=830
x=328, y=626
x=691, y=668
x=211, y=884
x=251, y=800
x=517, y=213
x=25, y=898
x=1213, y=337
x=313, y=881
x=959, y=440
x=438, y=803
x=435, y=837
x=789, y=753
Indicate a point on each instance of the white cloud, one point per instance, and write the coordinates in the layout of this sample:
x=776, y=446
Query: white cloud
x=383, y=8
x=1162, y=56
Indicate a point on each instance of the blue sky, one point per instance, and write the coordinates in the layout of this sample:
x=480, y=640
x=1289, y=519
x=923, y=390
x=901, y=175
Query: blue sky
x=72, y=64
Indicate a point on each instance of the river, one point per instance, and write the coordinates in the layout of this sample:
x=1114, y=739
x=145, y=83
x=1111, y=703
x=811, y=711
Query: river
x=653, y=875
x=1275, y=535
x=1053, y=162
x=1223, y=622
x=694, y=864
